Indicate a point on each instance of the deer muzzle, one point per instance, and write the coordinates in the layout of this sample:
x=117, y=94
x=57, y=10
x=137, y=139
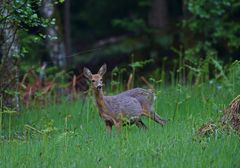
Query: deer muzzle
x=99, y=86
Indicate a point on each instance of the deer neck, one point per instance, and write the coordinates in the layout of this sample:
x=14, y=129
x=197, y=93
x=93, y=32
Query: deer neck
x=100, y=100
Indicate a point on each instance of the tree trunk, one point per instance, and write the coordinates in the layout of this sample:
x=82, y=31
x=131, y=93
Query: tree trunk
x=10, y=46
x=158, y=15
x=55, y=44
x=10, y=51
x=67, y=30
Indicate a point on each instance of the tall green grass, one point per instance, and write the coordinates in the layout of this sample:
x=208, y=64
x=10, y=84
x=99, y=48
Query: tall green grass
x=71, y=134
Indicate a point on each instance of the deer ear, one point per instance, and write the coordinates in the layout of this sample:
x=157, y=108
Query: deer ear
x=87, y=73
x=102, y=70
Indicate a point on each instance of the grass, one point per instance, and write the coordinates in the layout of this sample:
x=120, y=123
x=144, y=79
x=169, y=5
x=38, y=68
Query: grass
x=71, y=134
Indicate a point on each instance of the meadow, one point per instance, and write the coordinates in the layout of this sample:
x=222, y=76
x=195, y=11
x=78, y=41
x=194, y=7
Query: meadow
x=71, y=134
x=186, y=51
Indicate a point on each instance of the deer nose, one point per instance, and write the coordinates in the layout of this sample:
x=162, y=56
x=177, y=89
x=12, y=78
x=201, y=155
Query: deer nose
x=99, y=87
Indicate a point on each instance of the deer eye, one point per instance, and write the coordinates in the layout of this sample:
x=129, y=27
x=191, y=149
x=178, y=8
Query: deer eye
x=93, y=80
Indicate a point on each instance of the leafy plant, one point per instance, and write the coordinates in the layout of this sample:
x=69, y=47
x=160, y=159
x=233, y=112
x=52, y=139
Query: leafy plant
x=215, y=24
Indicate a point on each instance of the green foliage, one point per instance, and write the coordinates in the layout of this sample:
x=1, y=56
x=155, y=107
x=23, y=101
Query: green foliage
x=215, y=24
x=140, y=64
x=233, y=75
x=22, y=13
x=24, y=17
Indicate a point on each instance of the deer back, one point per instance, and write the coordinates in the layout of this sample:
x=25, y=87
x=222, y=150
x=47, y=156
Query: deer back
x=123, y=106
x=144, y=96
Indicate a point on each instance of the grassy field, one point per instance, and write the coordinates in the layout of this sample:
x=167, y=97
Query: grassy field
x=71, y=134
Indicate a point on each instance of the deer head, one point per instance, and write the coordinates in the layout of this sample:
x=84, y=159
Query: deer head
x=96, y=79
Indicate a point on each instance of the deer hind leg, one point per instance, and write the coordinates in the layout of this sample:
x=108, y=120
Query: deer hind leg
x=154, y=116
x=157, y=118
x=140, y=124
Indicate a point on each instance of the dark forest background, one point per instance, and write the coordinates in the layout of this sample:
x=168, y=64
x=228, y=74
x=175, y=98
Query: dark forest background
x=158, y=35
x=73, y=33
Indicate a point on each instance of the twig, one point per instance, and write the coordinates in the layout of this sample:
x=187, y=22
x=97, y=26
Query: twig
x=34, y=129
x=129, y=83
x=147, y=83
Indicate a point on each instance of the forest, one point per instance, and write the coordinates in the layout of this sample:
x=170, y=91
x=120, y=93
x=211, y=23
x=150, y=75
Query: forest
x=140, y=83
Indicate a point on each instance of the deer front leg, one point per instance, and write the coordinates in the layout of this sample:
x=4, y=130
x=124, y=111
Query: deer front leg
x=108, y=125
x=118, y=126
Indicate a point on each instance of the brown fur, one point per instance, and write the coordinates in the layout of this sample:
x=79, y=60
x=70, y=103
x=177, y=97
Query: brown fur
x=124, y=108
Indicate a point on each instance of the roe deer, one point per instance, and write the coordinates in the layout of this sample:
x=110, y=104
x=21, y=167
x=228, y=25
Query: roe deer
x=127, y=106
